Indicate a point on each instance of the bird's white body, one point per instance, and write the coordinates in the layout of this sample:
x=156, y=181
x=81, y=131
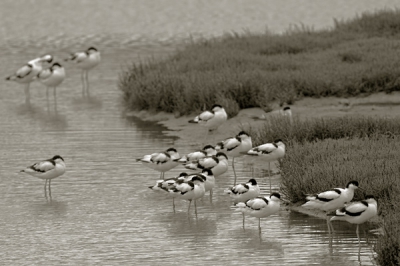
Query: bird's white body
x=85, y=60
x=211, y=119
x=28, y=72
x=208, y=150
x=357, y=212
x=53, y=76
x=47, y=169
x=161, y=161
x=208, y=162
x=268, y=152
x=260, y=207
x=331, y=199
x=244, y=192
x=235, y=146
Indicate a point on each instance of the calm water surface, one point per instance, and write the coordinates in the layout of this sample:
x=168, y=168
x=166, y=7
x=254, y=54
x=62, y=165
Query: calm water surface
x=102, y=212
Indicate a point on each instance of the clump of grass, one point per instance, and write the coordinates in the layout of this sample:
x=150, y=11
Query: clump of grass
x=358, y=56
x=310, y=130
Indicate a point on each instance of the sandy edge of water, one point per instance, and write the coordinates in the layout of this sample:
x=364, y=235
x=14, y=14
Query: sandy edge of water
x=378, y=104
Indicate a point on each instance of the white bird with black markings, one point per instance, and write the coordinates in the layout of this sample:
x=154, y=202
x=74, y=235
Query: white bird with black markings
x=260, y=207
x=209, y=181
x=235, y=147
x=85, y=60
x=218, y=164
x=163, y=186
x=211, y=119
x=357, y=212
x=268, y=152
x=191, y=190
x=47, y=170
x=27, y=73
x=207, y=150
x=161, y=161
x=51, y=78
x=331, y=199
x=243, y=192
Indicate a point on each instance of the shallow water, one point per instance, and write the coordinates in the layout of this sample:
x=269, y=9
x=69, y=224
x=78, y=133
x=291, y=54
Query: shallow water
x=102, y=212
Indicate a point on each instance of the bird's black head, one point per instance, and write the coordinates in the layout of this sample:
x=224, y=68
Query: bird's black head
x=183, y=174
x=276, y=194
x=197, y=178
x=171, y=149
x=369, y=197
x=286, y=108
x=91, y=49
x=353, y=182
x=56, y=64
x=278, y=140
x=221, y=154
x=216, y=105
x=207, y=172
x=252, y=181
x=57, y=157
x=208, y=147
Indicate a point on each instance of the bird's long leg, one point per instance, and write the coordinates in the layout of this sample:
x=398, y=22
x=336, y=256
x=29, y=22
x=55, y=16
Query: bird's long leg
x=269, y=175
x=55, y=99
x=243, y=219
x=83, y=82
x=329, y=225
x=87, y=83
x=205, y=137
x=47, y=99
x=195, y=208
x=234, y=172
x=173, y=203
x=45, y=192
x=359, y=246
x=259, y=224
x=190, y=202
x=49, y=188
x=27, y=94
x=211, y=193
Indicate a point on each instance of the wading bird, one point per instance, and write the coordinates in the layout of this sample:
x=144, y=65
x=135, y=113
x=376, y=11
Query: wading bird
x=243, y=192
x=268, y=152
x=260, y=207
x=52, y=77
x=161, y=161
x=163, y=186
x=235, y=147
x=47, y=170
x=191, y=190
x=28, y=72
x=357, y=213
x=208, y=150
x=331, y=200
x=211, y=119
x=85, y=60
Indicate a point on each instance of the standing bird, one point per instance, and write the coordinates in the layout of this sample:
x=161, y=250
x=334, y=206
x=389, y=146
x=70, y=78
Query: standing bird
x=163, y=186
x=191, y=190
x=260, y=207
x=161, y=161
x=211, y=119
x=268, y=152
x=235, y=147
x=209, y=180
x=208, y=150
x=86, y=61
x=47, y=169
x=218, y=164
x=331, y=200
x=52, y=77
x=28, y=72
x=357, y=213
x=244, y=192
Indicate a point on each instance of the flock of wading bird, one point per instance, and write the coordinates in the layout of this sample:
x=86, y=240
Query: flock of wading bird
x=212, y=161
x=52, y=76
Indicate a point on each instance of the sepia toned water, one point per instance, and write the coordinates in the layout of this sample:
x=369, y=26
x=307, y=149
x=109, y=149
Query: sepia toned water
x=101, y=211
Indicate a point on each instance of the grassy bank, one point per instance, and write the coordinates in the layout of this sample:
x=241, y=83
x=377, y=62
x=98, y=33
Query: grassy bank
x=326, y=153
x=356, y=57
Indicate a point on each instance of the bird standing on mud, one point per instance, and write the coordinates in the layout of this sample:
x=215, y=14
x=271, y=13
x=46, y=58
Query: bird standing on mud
x=211, y=119
x=86, y=61
x=27, y=73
